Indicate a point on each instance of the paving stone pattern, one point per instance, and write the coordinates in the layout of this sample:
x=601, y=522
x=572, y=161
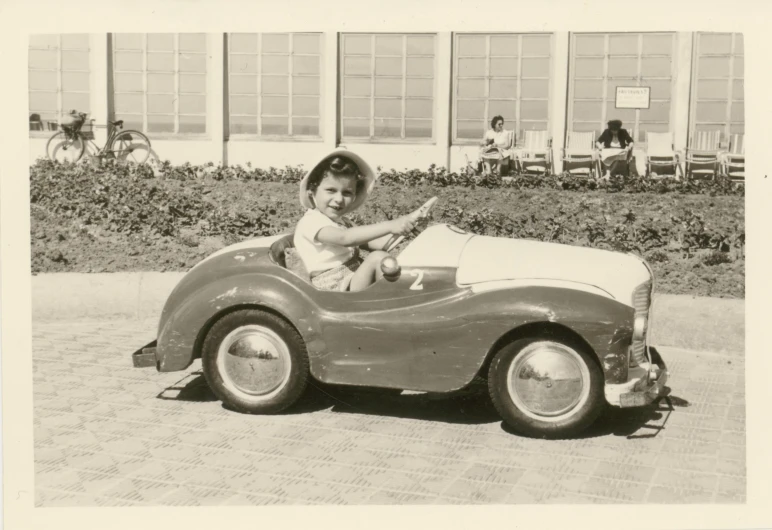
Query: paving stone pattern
x=108, y=434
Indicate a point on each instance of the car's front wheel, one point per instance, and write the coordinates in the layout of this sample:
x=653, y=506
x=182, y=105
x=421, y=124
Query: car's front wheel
x=546, y=388
x=255, y=361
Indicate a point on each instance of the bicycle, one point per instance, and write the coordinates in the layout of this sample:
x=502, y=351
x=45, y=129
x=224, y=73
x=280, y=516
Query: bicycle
x=69, y=144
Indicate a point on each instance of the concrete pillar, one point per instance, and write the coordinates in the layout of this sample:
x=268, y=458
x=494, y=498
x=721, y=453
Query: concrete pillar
x=98, y=85
x=330, y=90
x=215, y=105
x=558, y=105
x=679, y=109
x=444, y=83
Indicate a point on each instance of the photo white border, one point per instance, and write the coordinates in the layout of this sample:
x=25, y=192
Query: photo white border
x=18, y=19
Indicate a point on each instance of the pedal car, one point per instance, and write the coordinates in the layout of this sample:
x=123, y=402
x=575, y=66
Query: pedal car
x=558, y=331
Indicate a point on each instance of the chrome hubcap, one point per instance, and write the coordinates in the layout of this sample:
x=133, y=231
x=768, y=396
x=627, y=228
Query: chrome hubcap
x=254, y=361
x=548, y=381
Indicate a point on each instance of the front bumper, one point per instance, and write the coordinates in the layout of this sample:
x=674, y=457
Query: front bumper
x=145, y=356
x=645, y=384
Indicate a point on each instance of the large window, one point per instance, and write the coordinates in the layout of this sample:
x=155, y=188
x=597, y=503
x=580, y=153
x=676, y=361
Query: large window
x=387, y=86
x=718, y=84
x=602, y=62
x=275, y=84
x=58, y=78
x=160, y=81
x=500, y=75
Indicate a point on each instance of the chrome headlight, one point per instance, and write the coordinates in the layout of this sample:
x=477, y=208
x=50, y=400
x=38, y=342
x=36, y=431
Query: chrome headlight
x=641, y=304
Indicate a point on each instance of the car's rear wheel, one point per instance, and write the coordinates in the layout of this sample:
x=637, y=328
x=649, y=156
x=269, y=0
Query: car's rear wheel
x=546, y=388
x=255, y=361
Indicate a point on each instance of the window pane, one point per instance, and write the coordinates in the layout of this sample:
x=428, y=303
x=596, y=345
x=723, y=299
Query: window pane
x=655, y=66
x=537, y=45
x=193, y=83
x=623, y=66
x=76, y=41
x=739, y=67
x=657, y=44
x=581, y=126
x=388, y=87
x=275, y=64
x=43, y=101
x=738, y=43
x=612, y=84
x=357, y=44
x=275, y=126
x=644, y=127
x=589, y=67
x=305, y=85
x=192, y=105
x=243, y=42
x=306, y=44
x=423, y=66
x=588, y=111
x=163, y=83
x=43, y=80
x=160, y=104
x=160, y=62
x=388, y=108
x=78, y=101
x=738, y=89
x=43, y=59
x=357, y=65
x=243, y=105
x=711, y=111
x=533, y=125
x=388, y=66
x=160, y=42
x=75, y=81
x=623, y=44
x=715, y=43
x=420, y=87
x=358, y=128
x=243, y=84
x=420, y=45
x=536, y=67
x=305, y=126
x=626, y=115
x=471, y=45
x=160, y=124
x=72, y=60
x=388, y=128
x=193, y=42
x=469, y=129
x=505, y=67
x=497, y=107
x=128, y=82
x=536, y=88
x=275, y=85
x=589, y=44
x=275, y=43
x=356, y=108
x=302, y=106
x=274, y=106
x=657, y=111
x=503, y=45
x=129, y=41
x=471, y=67
x=714, y=66
x=737, y=112
x=243, y=64
x=356, y=86
x=587, y=89
x=243, y=125
x=471, y=88
x=131, y=103
x=418, y=129
x=305, y=65
x=737, y=128
x=193, y=124
x=192, y=63
x=470, y=109
x=710, y=89
x=533, y=110
x=660, y=88
x=132, y=121
x=419, y=108
x=388, y=45
x=503, y=88
x=44, y=41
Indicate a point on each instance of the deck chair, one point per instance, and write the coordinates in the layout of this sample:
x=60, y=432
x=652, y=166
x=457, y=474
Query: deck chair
x=733, y=162
x=535, y=153
x=580, y=154
x=703, y=153
x=661, y=157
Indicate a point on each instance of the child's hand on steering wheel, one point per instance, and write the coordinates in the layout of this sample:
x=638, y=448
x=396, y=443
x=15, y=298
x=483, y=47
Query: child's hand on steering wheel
x=403, y=225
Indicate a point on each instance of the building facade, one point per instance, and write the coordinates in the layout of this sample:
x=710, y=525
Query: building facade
x=399, y=100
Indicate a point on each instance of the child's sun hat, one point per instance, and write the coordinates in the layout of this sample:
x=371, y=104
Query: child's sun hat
x=364, y=169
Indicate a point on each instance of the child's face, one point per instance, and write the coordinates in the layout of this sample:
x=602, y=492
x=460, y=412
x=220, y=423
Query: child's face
x=335, y=195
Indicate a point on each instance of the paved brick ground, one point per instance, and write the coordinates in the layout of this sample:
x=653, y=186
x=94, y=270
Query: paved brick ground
x=109, y=434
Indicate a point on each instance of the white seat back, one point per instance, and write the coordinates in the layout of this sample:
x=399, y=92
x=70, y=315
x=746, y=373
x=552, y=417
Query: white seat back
x=659, y=144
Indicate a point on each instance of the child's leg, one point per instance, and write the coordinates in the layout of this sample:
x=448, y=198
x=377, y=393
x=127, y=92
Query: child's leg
x=368, y=272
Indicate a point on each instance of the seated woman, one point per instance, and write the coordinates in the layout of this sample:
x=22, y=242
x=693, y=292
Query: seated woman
x=496, y=147
x=615, y=137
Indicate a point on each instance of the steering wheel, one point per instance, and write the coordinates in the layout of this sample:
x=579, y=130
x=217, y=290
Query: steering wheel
x=396, y=239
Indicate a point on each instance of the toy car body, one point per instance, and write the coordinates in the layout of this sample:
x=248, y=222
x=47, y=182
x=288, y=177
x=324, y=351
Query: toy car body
x=558, y=330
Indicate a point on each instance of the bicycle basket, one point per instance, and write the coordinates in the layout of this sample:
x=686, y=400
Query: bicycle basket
x=87, y=130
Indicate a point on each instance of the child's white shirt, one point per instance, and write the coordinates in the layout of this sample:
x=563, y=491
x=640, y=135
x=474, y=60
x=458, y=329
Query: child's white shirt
x=318, y=256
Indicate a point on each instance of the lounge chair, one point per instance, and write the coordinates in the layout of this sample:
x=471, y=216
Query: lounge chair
x=733, y=161
x=661, y=157
x=580, y=154
x=703, y=153
x=535, y=155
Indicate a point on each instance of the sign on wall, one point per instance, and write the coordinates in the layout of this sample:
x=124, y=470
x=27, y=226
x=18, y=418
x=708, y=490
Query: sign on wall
x=632, y=97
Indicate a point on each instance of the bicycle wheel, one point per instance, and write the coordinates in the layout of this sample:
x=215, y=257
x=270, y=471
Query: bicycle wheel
x=130, y=146
x=62, y=149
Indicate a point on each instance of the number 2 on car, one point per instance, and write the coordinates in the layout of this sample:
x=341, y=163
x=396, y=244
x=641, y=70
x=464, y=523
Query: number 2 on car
x=417, y=285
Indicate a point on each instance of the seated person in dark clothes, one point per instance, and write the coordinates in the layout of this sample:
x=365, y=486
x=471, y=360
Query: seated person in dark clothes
x=615, y=137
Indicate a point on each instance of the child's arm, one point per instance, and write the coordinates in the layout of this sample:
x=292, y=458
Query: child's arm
x=359, y=235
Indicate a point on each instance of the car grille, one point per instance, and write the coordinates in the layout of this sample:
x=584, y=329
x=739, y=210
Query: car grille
x=641, y=304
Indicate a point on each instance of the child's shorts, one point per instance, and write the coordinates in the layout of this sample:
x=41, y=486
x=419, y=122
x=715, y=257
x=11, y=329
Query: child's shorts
x=337, y=278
